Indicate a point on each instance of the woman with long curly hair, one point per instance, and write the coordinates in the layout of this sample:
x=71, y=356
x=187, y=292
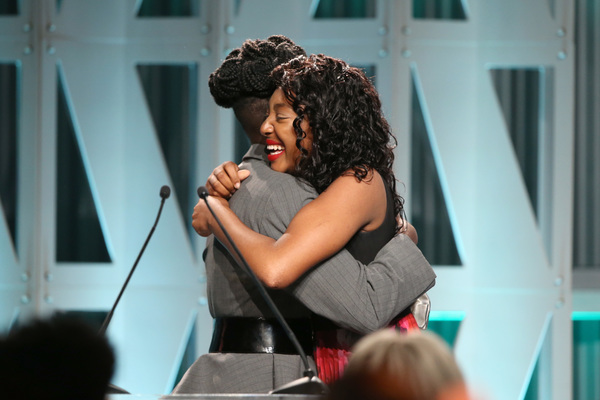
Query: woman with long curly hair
x=325, y=126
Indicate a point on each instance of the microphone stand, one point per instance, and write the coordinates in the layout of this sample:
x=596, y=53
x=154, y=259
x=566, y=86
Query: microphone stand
x=165, y=192
x=310, y=383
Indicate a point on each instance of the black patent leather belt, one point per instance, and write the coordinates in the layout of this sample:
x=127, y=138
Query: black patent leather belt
x=258, y=335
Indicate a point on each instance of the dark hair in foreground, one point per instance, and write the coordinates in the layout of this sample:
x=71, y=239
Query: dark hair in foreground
x=56, y=358
x=346, y=119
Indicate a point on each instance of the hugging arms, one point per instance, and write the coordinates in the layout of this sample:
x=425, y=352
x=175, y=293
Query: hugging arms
x=362, y=297
x=324, y=126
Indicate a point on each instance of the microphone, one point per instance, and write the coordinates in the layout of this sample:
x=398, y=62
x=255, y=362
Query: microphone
x=165, y=192
x=310, y=383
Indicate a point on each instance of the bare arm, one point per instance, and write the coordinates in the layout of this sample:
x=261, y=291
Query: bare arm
x=318, y=231
x=227, y=177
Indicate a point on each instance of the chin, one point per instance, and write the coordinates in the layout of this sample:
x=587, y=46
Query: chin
x=280, y=167
x=277, y=169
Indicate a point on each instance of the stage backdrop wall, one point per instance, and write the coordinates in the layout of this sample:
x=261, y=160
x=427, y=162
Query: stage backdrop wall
x=103, y=102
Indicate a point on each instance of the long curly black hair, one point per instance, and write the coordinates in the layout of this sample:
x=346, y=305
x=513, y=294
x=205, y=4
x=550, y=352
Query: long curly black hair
x=344, y=112
x=246, y=71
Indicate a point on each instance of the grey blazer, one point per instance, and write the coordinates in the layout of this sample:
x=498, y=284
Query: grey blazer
x=359, y=297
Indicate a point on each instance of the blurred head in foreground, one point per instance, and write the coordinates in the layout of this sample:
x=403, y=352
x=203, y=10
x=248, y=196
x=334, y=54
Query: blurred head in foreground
x=55, y=358
x=388, y=365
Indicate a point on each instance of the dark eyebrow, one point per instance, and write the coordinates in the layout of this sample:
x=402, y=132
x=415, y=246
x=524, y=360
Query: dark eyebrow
x=281, y=105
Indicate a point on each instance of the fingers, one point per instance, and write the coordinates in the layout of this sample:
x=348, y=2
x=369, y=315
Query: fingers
x=223, y=180
x=410, y=231
x=200, y=219
x=231, y=169
x=203, y=220
x=243, y=174
x=216, y=188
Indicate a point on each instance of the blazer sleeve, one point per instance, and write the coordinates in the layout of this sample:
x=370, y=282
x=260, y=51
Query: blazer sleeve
x=284, y=201
x=365, y=298
x=359, y=297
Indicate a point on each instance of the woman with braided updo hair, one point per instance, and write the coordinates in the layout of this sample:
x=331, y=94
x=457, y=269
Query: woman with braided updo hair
x=326, y=127
x=243, y=83
x=243, y=80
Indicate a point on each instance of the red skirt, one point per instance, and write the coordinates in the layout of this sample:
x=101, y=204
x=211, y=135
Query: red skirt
x=332, y=348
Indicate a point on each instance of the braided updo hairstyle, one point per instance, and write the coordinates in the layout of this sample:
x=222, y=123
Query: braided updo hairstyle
x=344, y=112
x=246, y=70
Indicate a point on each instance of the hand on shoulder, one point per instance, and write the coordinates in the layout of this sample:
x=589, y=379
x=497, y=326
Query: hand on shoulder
x=225, y=180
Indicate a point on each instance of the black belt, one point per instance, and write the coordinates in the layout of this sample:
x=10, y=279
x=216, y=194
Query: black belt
x=259, y=335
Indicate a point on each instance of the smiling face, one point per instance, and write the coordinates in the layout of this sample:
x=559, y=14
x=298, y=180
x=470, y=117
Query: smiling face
x=281, y=137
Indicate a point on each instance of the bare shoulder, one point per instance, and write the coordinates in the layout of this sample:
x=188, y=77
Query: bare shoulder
x=372, y=184
x=360, y=203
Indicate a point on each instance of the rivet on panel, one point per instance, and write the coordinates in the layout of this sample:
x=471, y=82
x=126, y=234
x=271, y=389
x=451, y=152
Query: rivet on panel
x=205, y=51
x=558, y=281
x=204, y=29
x=230, y=29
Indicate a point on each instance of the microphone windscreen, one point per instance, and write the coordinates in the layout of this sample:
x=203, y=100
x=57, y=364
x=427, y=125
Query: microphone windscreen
x=165, y=192
x=202, y=192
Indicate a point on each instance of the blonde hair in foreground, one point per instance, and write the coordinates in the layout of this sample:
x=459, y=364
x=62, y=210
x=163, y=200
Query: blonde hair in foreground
x=392, y=365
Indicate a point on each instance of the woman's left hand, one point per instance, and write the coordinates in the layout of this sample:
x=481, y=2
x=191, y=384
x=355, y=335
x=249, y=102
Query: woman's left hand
x=202, y=219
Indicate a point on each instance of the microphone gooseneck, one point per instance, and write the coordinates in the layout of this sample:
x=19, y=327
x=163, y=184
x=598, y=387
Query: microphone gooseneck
x=165, y=192
x=310, y=384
